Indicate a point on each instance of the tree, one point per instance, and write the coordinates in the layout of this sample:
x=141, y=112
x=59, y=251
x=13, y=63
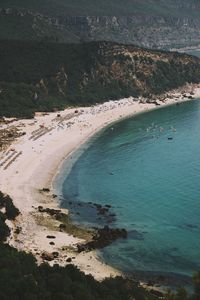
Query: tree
x=196, y=283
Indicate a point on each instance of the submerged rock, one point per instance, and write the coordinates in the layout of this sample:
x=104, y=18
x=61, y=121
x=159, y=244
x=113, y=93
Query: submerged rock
x=103, y=237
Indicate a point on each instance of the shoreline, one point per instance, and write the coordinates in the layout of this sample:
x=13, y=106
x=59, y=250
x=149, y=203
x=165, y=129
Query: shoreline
x=185, y=49
x=40, y=159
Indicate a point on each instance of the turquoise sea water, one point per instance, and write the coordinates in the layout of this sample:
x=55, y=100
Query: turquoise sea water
x=153, y=185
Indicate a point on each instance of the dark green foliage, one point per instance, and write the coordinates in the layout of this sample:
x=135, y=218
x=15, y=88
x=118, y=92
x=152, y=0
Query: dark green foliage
x=21, y=278
x=30, y=27
x=196, y=280
x=4, y=229
x=47, y=76
x=11, y=212
x=2, y=201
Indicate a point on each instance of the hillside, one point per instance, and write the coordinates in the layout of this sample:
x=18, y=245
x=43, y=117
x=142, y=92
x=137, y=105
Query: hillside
x=25, y=25
x=47, y=76
x=149, y=23
x=176, y=8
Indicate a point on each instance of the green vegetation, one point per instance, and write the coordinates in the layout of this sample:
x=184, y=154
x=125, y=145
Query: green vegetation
x=107, y=7
x=22, y=279
x=11, y=212
x=38, y=76
x=4, y=229
x=35, y=28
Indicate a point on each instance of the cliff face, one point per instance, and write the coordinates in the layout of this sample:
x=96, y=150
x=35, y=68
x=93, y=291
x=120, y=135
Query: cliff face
x=159, y=24
x=150, y=31
x=44, y=76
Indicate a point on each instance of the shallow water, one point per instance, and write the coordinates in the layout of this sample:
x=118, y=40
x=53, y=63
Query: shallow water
x=153, y=185
x=194, y=52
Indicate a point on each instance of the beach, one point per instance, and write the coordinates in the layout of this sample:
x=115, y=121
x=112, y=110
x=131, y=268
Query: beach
x=30, y=164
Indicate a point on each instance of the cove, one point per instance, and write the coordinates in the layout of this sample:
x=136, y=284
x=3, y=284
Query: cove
x=148, y=169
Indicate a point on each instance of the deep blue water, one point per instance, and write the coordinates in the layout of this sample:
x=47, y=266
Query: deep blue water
x=152, y=184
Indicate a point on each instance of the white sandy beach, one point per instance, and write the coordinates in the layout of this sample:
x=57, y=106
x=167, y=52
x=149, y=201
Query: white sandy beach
x=32, y=161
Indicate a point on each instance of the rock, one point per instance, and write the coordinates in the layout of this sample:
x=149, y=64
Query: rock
x=62, y=227
x=68, y=259
x=56, y=213
x=18, y=230
x=40, y=208
x=112, y=215
x=55, y=254
x=102, y=211
x=47, y=256
x=50, y=237
x=46, y=190
x=51, y=243
x=103, y=237
x=156, y=103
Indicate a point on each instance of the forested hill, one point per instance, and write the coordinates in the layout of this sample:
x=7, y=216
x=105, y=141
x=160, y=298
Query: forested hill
x=46, y=76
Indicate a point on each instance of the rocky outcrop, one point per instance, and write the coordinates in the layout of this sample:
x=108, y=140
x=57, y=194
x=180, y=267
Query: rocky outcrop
x=103, y=237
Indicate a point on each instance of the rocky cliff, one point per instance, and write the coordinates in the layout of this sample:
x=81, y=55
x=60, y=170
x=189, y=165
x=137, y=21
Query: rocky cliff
x=149, y=23
x=148, y=31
